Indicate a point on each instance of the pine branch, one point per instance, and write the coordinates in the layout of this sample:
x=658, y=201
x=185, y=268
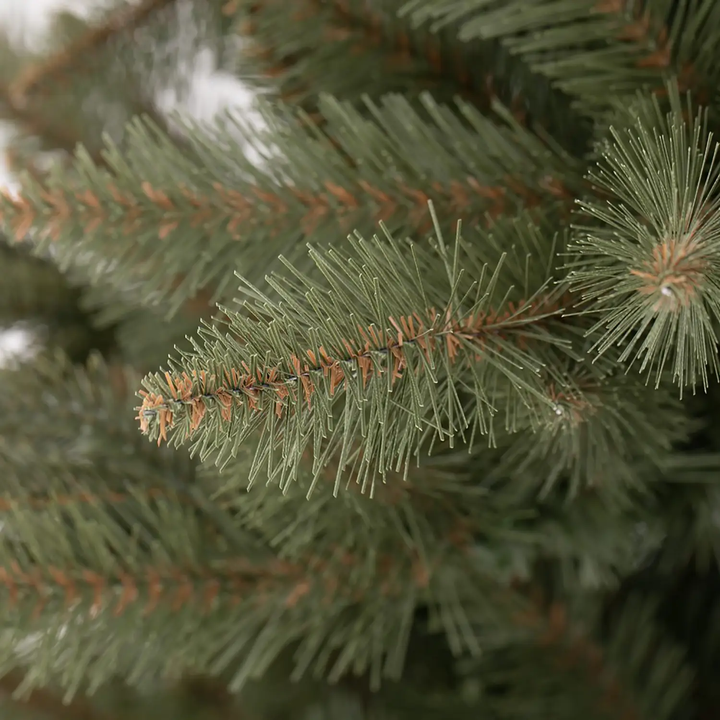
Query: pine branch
x=650, y=264
x=487, y=68
x=132, y=211
x=469, y=505
x=309, y=56
x=211, y=597
x=61, y=120
x=111, y=569
x=367, y=350
x=79, y=497
x=606, y=427
x=351, y=49
x=69, y=58
x=57, y=127
x=594, y=50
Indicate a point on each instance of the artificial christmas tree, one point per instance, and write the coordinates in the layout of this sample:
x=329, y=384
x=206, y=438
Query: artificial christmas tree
x=426, y=339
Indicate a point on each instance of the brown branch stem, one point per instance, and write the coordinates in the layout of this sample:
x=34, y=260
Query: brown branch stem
x=76, y=52
x=379, y=352
x=361, y=34
x=656, y=45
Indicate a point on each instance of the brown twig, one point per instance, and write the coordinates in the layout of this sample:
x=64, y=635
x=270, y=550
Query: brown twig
x=76, y=52
x=237, y=210
x=106, y=497
x=379, y=352
x=405, y=48
x=362, y=35
x=233, y=581
x=656, y=45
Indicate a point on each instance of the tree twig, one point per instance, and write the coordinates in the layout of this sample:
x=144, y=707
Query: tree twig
x=53, y=66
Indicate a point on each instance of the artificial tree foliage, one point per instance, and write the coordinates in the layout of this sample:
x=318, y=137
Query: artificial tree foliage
x=403, y=394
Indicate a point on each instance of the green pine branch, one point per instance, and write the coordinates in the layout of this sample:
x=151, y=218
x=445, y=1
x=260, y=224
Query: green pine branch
x=594, y=50
x=648, y=258
x=609, y=430
x=326, y=49
x=36, y=128
x=173, y=222
x=350, y=49
x=447, y=500
x=84, y=586
x=44, y=96
x=382, y=352
x=486, y=66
